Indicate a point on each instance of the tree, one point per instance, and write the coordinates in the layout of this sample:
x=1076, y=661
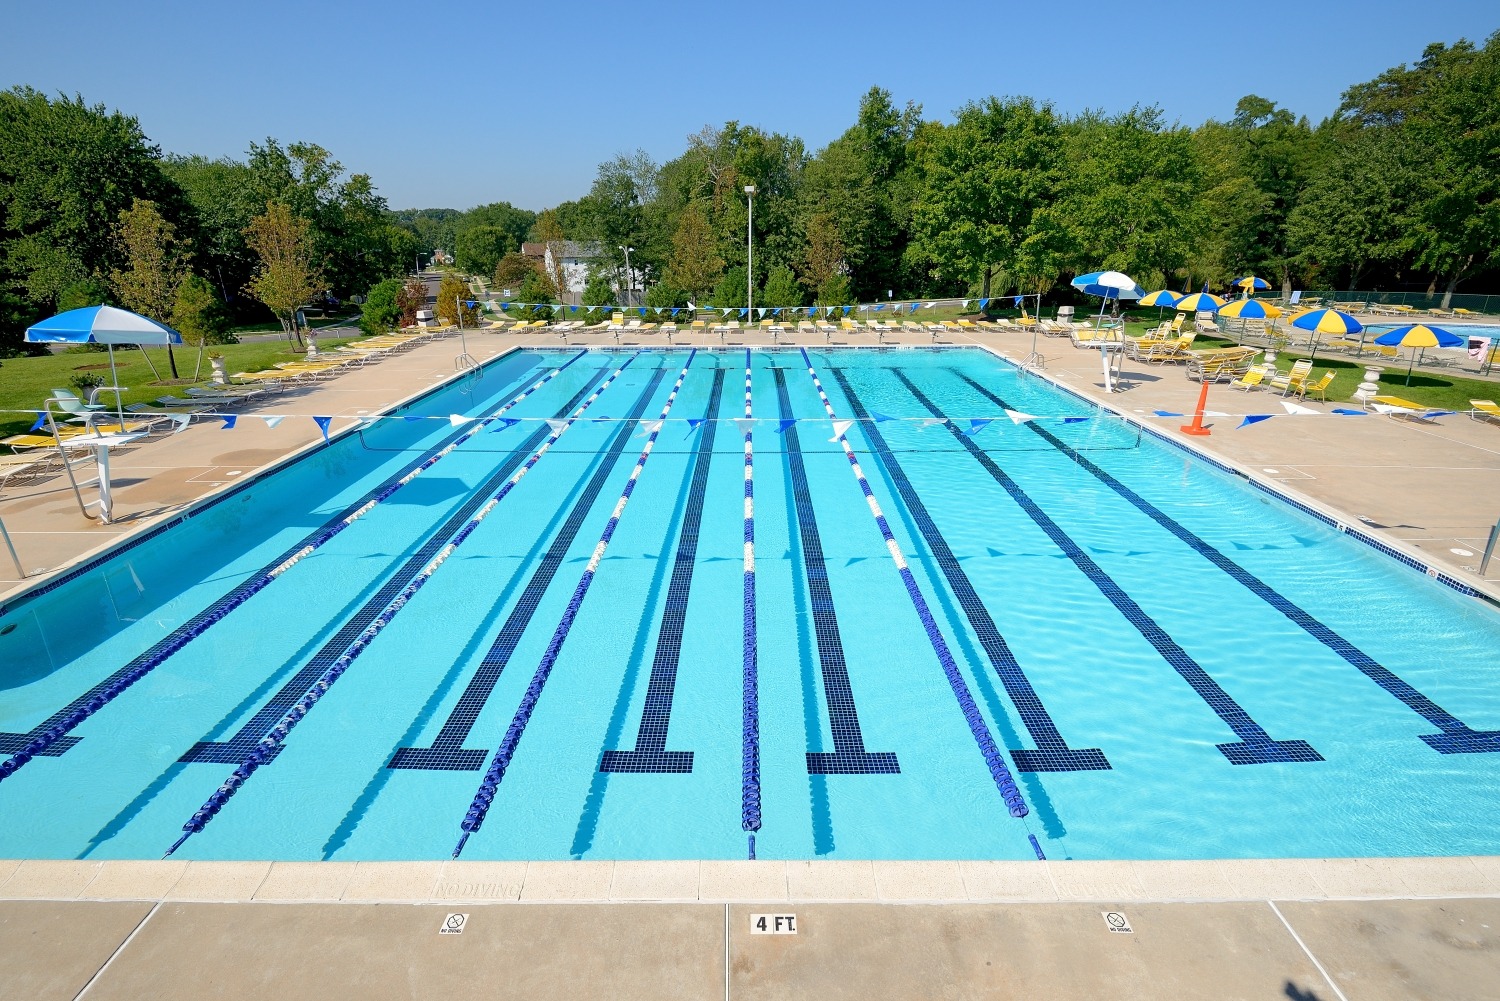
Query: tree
x=535, y=290
x=452, y=301
x=694, y=266
x=156, y=263
x=89, y=292
x=824, y=256
x=663, y=295
x=551, y=233
x=198, y=315
x=782, y=288
x=219, y=193
x=382, y=310
x=599, y=291
x=731, y=288
x=287, y=275
x=411, y=299
x=478, y=249
x=513, y=269
x=835, y=291
x=513, y=222
x=1355, y=209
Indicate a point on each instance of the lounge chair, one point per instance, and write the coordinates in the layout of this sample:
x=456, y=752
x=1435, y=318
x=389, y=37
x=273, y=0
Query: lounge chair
x=1289, y=381
x=1252, y=379
x=24, y=467
x=1168, y=351
x=1484, y=410
x=1398, y=409
x=1320, y=387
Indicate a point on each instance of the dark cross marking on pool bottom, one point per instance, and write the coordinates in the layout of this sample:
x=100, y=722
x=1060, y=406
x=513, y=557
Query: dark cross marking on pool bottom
x=1456, y=737
x=447, y=752
x=10, y=743
x=650, y=753
x=1255, y=746
x=237, y=748
x=1052, y=753
x=849, y=756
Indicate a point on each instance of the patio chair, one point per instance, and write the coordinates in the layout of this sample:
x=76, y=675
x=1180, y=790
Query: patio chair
x=24, y=467
x=1320, y=387
x=1252, y=379
x=1484, y=410
x=1289, y=381
x=1398, y=409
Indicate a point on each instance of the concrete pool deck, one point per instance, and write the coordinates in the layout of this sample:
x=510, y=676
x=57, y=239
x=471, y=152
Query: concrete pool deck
x=1301, y=929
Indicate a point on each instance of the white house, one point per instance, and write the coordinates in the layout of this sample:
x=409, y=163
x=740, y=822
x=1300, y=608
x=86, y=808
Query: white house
x=576, y=259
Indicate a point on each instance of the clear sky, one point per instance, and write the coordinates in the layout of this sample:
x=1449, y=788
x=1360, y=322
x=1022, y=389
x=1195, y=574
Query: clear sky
x=451, y=105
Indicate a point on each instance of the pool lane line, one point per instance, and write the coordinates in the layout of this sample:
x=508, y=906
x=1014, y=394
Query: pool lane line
x=750, y=814
x=447, y=751
x=269, y=746
x=650, y=753
x=489, y=785
x=1255, y=745
x=849, y=756
x=1457, y=737
x=1004, y=781
x=1052, y=753
x=234, y=750
x=50, y=738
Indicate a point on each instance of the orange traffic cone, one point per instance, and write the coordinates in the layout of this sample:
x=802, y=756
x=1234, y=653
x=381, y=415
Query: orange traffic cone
x=1197, y=426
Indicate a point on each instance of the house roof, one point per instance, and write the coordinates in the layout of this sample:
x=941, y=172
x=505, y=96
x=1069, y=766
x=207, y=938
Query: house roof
x=571, y=249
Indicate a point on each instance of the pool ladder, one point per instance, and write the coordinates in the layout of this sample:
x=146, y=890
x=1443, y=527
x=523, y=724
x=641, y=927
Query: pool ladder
x=11, y=548
x=1032, y=362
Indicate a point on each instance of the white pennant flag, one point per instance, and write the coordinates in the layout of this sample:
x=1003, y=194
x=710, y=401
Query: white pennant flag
x=839, y=429
x=1016, y=417
x=556, y=424
x=927, y=422
x=649, y=427
x=182, y=421
x=966, y=303
x=1213, y=413
x=272, y=421
x=745, y=424
x=1293, y=408
x=457, y=420
x=761, y=310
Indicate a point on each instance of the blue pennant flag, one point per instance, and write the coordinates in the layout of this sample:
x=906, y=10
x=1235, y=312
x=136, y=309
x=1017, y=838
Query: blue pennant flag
x=879, y=306
x=229, y=421
x=694, y=423
x=782, y=426
x=412, y=417
x=1075, y=420
x=846, y=310
x=41, y=421
x=504, y=306
x=471, y=304
x=1018, y=302
x=745, y=311
x=641, y=310
x=880, y=418
x=776, y=311
x=978, y=424
x=572, y=309
x=983, y=303
x=504, y=422
x=1349, y=413
x=322, y=423
x=1167, y=413
x=676, y=310
x=1253, y=419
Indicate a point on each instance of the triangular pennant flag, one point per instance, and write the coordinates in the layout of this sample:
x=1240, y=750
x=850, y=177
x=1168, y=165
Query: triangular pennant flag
x=929, y=305
x=1167, y=413
x=879, y=306
x=1345, y=411
x=745, y=311
x=927, y=422
x=978, y=424
x=41, y=422
x=785, y=424
x=1017, y=417
x=504, y=306
x=412, y=417
x=840, y=428
x=229, y=421
x=760, y=311
x=1074, y=420
x=880, y=418
x=457, y=420
x=676, y=310
x=1253, y=419
x=694, y=423
x=642, y=310
x=182, y=421
x=1018, y=302
x=271, y=422
x=322, y=423
x=846, y=310
x=502, y=423
x=648, y=427
x=966, y=303
x=776, y=311
x=745, y=424
x=1293, y=408
x=982, y=303
x=471, y=304
x=572, y=309
x=556, y=424
x=725, y=312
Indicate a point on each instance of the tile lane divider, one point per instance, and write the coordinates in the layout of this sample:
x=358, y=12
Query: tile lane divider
x=479, y=808
x=51, y=738
x=980, y=729
x=270, y=745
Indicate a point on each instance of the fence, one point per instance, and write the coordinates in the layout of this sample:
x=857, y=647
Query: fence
x=1417, y=300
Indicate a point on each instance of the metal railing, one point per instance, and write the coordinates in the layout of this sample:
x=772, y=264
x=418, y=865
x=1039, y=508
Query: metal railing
x=21, y=571
x=1489, y=304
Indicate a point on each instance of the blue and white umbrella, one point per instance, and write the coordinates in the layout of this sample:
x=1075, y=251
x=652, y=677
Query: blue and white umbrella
x=1109, y=284
x=105, y=325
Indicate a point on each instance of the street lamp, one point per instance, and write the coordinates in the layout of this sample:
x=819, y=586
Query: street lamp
x=629, y=278
x=749, y=251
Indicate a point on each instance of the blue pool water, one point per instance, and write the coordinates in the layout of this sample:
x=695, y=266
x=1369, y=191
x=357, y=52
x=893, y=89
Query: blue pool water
x=1168, y=663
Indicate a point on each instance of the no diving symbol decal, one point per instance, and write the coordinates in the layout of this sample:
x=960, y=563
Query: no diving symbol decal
x=1116, y=921
x=454, y=924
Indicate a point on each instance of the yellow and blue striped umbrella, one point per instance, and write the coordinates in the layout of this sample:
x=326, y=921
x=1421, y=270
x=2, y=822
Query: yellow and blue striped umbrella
x=1199, y=302
x=1250, y=309
x=1328, y=321
x=1251, y=282
x=1418, y=335
x=1165, y=297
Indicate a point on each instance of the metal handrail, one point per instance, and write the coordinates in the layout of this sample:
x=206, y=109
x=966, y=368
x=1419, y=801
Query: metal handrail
x=20, y=570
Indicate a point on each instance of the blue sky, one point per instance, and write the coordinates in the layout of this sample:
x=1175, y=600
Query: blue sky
x=456, y=104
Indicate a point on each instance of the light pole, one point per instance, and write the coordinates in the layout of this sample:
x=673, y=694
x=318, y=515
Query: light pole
x=629, y=278
x=749, y=252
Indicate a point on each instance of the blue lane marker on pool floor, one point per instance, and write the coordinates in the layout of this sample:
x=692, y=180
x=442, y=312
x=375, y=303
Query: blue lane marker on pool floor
x=1255, y=746
x=447, y=752
x=1456, y=738
x=234, y=750
x=849, y=756
x=1052, y=753
x=650, y=753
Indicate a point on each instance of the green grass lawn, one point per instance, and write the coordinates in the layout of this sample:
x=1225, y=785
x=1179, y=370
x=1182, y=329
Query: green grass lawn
x=26, y=382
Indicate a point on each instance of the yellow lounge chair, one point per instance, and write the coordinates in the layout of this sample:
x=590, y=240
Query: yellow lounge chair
x=1320, y=387
x=1289, y=381
x=1251, y=379
x=1484, y=410
x=1398, y=409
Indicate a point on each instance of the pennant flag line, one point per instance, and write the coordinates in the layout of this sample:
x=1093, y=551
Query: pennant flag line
x=786, y=423
x=1016, y=417
x=41, y=422
x=229, y=421
x=745, y=424
x=271, y=422
x=1254, y=419
x=978, y=424
x=322, y=423
x=840, y=428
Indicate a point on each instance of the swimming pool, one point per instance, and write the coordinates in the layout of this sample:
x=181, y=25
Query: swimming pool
x=1164, y=661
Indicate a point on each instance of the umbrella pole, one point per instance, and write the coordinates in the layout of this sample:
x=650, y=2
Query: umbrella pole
x=198, y=368
x=114, y=379
x=150, y=362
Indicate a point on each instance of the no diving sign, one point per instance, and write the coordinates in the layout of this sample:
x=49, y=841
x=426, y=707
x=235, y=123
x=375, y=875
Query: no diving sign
x=1117, y=922
x=454, y=924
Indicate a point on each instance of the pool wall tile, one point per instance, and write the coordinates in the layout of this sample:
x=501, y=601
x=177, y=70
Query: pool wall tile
x=1102, y=881
x=568, y=880
x=134, y=879
x=1023, y=882
x=655, y=881
x=219, y=881
x=393, y=881
x=827, y=880
x=742, y=880
x=919, y=881
x=306, y=881
x=49, y=879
